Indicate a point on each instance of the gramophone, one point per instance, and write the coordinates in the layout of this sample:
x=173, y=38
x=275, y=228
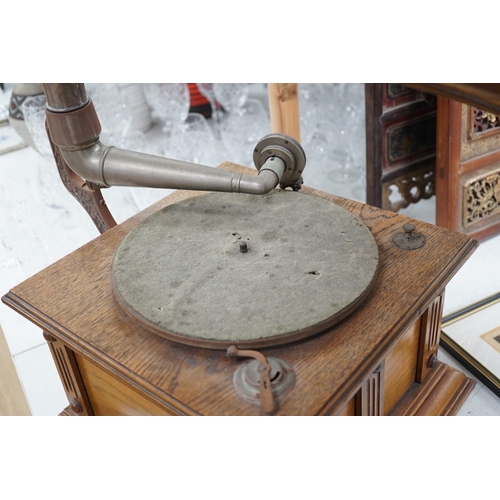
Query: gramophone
x=253, y=266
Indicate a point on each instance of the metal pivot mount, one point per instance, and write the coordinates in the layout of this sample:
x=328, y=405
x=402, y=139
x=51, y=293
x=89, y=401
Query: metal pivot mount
x=286, y=149
x=262, y=381
x=408, y=240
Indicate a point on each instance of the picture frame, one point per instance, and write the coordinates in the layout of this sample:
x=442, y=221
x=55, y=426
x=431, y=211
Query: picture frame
x=9, y=139
x=472, y=336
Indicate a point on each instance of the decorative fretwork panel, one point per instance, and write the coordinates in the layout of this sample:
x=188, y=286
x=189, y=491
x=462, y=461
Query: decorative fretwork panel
x=480, y=133
x=410, y=188
x=484, y=121
x=481, y=199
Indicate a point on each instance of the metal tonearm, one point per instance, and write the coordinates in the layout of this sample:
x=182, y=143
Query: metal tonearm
x=74, y=130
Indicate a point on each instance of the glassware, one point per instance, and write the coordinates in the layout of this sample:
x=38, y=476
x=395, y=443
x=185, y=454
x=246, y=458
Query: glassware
x=341, y=167
x=34, y=116
x=207, y=89
x=231, y=96
x=334, y=110
x=122, y=108
x=241, y=130
x=352, y=97
x=134, y=141
x=192, y=141
x=49, y=182
x=310, y=110
x=318, y=151
x=358, y=150
x=170, y=101
x=359, y=191
x=112, y=109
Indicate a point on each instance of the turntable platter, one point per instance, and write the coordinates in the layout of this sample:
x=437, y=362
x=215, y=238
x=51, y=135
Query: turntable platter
x=221, y=269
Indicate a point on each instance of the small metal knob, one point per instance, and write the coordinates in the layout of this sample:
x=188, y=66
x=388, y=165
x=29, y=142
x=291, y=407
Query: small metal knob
x=408, y=240
x=75, y=406
x=408, y=229
x=433, y=361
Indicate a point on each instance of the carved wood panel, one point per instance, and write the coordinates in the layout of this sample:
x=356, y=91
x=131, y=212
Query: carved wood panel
x=89, y=197
x=481, y=197
x=400, y=145
x=482, y=123
x=69, y=373
x=411, y=188
x=479, y=133
x=370, y=397
x=468, y=180
x=430, y=331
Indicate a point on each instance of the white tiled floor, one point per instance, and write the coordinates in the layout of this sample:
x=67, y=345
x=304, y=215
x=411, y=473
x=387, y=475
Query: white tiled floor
x=34, y=235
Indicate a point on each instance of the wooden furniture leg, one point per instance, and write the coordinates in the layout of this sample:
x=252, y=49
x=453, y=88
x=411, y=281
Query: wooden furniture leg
x=284, y=109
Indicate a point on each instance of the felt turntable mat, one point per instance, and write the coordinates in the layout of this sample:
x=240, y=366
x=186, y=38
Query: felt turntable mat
x=181, y=272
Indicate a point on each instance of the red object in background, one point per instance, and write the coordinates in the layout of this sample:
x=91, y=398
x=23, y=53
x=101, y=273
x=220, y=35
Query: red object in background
x=199, y=103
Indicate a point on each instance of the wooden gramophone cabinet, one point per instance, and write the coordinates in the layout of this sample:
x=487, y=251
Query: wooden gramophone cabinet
x=380, y=360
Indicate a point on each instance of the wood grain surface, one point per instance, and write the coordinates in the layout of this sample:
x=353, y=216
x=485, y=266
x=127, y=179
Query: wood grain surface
x=454, y=173
x=73, y=300
x=284, y=109
x=481, y=95
x=12, y=399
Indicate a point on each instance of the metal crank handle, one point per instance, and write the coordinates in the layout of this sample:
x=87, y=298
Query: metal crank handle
x=267, y=402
